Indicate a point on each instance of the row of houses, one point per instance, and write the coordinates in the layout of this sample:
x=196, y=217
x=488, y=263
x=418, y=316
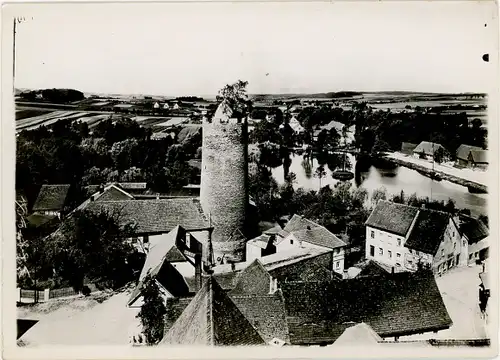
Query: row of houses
x=403, y=237
x=466, y=155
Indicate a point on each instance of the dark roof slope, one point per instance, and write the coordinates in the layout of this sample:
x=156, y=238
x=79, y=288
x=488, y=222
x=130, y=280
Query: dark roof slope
x=212, y=318
x=266, y=313
x=254, y=279
x=37, y=220
x=474, y=229
x=428, y=231
x=464, y=150
x=428, y=148
x=51, y=198
x=479, y=156
x=401, y=304
x=392, y=217
x=407, y=147
x=156, y=216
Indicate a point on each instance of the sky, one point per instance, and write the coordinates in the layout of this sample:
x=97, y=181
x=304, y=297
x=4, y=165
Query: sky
x=290, y=47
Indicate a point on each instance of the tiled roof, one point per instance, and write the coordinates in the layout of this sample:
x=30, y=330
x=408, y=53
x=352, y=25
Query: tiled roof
x=464, y=150
x=407, y=147
x=156, y=259
x=319, y=236
x=273, y=231
x=479, y=156
x=51, y=198
x=428, y=231
x=113, y=193
x=212, y=319
x=254, y=279
x=37, y=220
x=474, y=229
x=156, y=216
x=266, y=313
x=402, y=304
x=298, y=222
x=175, y=255
x=392, y=217
x=428, y=148
x=374, y=268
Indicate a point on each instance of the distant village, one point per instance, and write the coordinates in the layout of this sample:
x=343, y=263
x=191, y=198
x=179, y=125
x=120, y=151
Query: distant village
x=226, y=279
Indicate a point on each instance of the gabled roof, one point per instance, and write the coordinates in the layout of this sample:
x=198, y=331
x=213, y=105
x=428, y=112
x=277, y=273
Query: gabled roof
x=266, y=313
x=156, y=216
x=360, y=334
x=319, y=236
x=273, y=231
x=254, y=279
x=298, y=222
x=212, y=319
x=392, y=217
x=474, y=229
x=464, y=150
x=51, y=197
x=402, y=304
x=223, y=112
x=157, y=262
x=479, y=156
x=112, y=193
x=428, y=231
x=428, y=148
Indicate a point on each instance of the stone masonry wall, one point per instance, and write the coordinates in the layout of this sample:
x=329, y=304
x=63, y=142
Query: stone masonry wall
x=224, y=190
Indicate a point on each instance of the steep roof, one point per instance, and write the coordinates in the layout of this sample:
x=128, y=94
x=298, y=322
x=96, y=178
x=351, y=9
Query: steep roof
x=464, y=150
x=479, y=156
x=359, y=334
x=254, y=279
x=298, y=222
x=156, y=262
x=212, y=318
x=156, y=216
x=51, y=197
x=113, y=193
x=474, y=229
x=428, y=231
x=319, y=236
x=392, y=217
x=428, y=148
x=223, y=112
x=37, y=220
x=402, y=304
x=266, y=313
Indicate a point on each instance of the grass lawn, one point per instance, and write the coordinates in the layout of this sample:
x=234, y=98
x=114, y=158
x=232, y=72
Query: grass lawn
x=27, y=113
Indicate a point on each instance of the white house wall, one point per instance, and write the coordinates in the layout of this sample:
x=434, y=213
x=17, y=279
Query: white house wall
x=388, y=242
x=253, y=252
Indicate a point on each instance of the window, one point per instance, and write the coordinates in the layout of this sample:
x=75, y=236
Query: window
x=442, y=252
x=398, y=264
x=381, y=251
x=399, y=242
x=470, y=257
x=337, y=264
x=390, y=254
x=372, y=250
x=398, y=255
x=291, y=241
x=411, y=251
x=372, y=234
x=464, y=242
x=454, y=246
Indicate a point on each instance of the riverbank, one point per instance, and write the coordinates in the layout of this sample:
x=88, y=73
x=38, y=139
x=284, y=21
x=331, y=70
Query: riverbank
x=457, y=176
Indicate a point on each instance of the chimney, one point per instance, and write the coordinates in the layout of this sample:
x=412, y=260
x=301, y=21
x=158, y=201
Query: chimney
x=233, y=266
x=197, y=272
x=157, y=196
x=392, y=270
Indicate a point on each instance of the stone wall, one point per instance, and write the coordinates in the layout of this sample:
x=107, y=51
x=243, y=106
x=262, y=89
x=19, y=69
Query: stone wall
x=224, y=190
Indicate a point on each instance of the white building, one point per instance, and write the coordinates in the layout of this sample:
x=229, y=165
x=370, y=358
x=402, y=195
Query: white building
x=402, y=236
x=299, y=233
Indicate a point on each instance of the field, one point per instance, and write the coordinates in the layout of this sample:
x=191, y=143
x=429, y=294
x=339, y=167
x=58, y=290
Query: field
x=28, y=113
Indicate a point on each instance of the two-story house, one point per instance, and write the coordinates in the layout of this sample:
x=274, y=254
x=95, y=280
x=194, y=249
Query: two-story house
x=300, y=232
x=403, y=237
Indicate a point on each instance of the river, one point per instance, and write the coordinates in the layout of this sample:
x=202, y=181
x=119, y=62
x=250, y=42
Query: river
x=394, y=181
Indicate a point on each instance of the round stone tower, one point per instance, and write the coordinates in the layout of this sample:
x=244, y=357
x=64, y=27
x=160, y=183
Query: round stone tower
x=224, y=189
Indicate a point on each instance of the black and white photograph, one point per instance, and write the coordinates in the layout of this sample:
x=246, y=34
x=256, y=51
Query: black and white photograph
x=282, y=175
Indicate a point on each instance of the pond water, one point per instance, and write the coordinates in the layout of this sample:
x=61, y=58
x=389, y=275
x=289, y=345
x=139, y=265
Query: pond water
x=394, y=181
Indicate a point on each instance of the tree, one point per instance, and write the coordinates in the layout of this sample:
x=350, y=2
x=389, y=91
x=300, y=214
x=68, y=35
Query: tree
x=320, y=173
x=152, y=311
x=236, y=97
x=439, y=155
x=379, y=194
x=92, y=246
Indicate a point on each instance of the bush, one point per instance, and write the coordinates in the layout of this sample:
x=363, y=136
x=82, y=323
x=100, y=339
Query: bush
x=86, y=290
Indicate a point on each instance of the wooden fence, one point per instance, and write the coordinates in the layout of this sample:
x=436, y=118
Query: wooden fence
x=49, y=294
